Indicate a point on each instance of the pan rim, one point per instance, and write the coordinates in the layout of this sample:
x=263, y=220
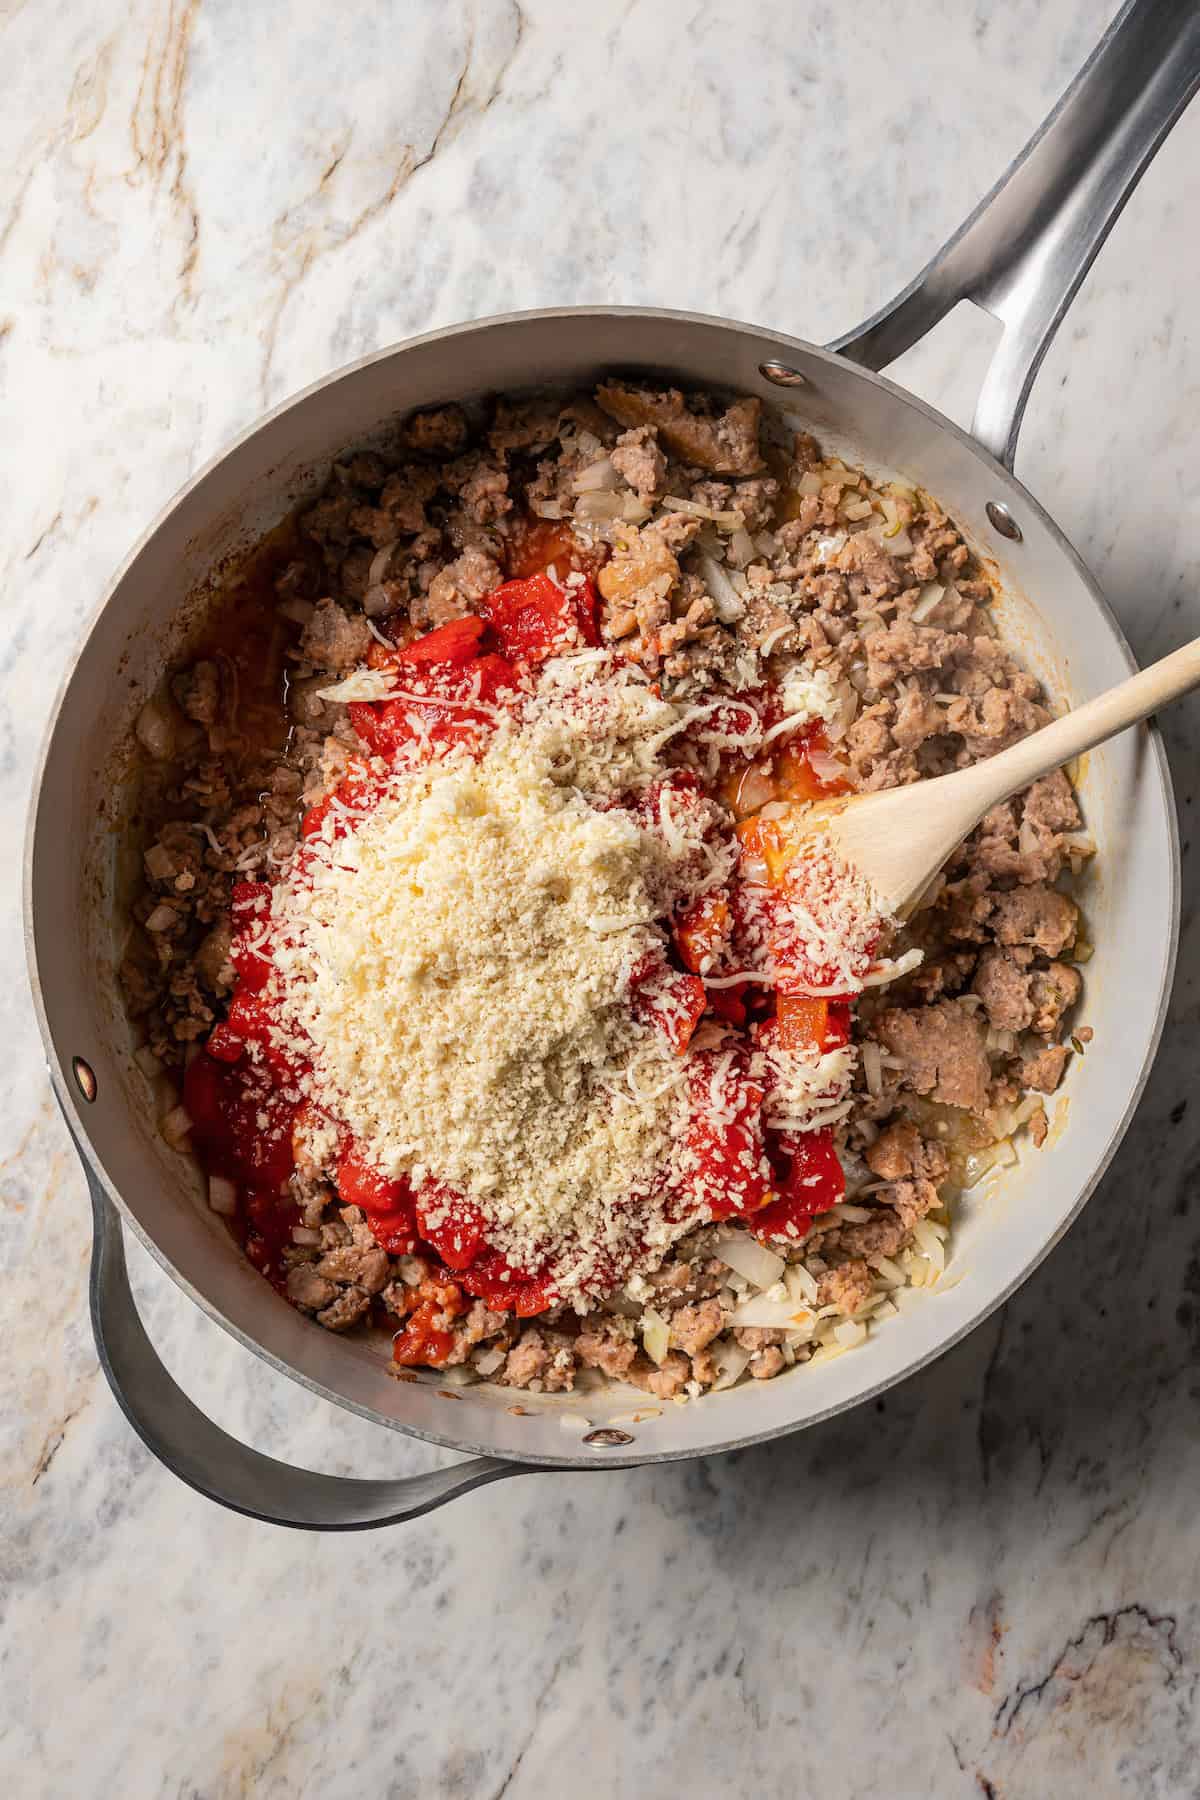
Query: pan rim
x=1014, y=489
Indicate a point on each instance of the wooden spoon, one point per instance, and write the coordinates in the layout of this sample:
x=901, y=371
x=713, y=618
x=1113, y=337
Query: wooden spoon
x=899, y=838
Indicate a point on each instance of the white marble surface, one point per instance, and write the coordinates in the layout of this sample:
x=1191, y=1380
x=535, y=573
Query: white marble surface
x=987, y=1583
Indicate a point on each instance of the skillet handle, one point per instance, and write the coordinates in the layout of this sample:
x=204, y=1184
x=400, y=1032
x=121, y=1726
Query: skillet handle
x=219, y=1466
x=1025, y=249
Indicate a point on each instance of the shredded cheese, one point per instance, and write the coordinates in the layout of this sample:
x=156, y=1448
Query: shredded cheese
x=455, y=970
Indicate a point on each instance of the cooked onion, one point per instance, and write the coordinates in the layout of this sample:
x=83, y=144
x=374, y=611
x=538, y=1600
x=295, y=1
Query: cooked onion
x=461, y=1375
x=727, y=521
x=599, y=505
x=175, y=1127
x=156, y=730
x=772, y=1315
x=597, y=475
x=656, y=1334
x=222, y=1198
x=159, y=862
x=741, y=548
x=739, y=1251
x=725, y=597
x=801, y=1286
x=731, y=1360
x=377, y=601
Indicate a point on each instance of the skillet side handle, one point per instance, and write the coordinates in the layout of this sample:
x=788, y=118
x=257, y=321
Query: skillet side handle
x=219, y=1466
x=1025, y=249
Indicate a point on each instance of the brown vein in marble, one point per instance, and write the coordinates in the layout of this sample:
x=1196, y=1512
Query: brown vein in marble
x=88, y=99
x=13, y=219
x=55, y=1438
x=156, y=124
x=410, y=165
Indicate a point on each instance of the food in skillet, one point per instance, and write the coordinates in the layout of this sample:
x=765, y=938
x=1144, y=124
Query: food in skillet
x=509, y=1009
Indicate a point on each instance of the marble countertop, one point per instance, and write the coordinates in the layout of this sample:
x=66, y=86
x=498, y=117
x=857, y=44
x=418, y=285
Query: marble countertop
x=986, y=1583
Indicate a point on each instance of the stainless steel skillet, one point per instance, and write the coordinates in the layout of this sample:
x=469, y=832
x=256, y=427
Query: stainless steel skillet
x=1021, y=255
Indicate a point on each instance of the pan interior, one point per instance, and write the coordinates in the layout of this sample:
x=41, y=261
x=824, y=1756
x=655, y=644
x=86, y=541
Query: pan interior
x=1050, y=611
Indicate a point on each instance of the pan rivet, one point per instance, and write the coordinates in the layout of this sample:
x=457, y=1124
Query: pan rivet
x=607, y=1438
x=1003, y=520
x=85, y=1079
x=782, y=375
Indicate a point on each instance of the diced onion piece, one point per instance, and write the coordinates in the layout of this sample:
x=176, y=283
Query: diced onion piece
x=599, y=505
x=656, y=1335
x=858, y=509
x=488, y=1361
x=809, y=483
x=376, y=602
x=896, y=543
x=771, y=1315
x=850, y=1333
x=801, y=1286
x=162, y=918
x=461, y=1375
x=739, y=1251
x=930, y=596
x=568, y=1421
x=871, y=1068
x=175, y=1127
x=360, y=684
x=596, y=476
x=222, y=1196
x=159, y=862
x=548, y=509
x=732, y=1362
x=890, y=1270
x=929, y=1243
x=156, y=730
x=741, y=548
x=307, y=1236
x=725, y=597
x=726, y=521
x=977, y=1163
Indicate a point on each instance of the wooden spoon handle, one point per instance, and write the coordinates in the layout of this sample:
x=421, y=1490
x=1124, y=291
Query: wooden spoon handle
x=899, y=837
x=1055, y=744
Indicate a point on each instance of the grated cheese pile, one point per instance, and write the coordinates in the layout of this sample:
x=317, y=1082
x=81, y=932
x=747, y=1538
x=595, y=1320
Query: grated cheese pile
x=457, y=971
